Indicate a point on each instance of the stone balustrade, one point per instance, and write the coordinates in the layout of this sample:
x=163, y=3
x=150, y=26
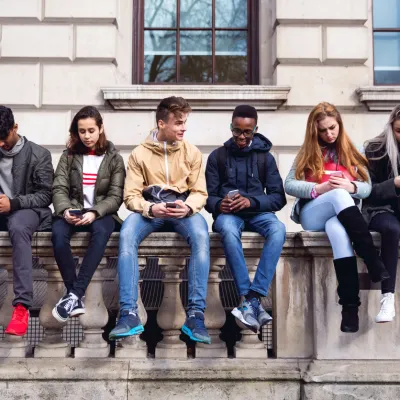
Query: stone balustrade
x=306, y=316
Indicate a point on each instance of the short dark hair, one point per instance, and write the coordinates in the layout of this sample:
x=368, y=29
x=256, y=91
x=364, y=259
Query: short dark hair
x=245, y=111
x=6, y=122
x=175, y=105
x=74, y=144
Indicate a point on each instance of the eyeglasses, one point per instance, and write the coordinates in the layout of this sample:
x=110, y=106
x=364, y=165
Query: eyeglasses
x=247, y=132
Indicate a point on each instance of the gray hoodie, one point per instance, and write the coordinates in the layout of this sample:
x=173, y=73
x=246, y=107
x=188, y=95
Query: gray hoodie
x=6, y=164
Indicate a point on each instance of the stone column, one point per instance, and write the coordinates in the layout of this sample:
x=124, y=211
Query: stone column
x=133, y=346
x=52, y=345
x=250, y=345
x=214, y=315
x=93, y=345
x=171, y=314
x=10, y=346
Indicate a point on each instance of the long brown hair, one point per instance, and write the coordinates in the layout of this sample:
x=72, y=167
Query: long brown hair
x=310, y=159
x=74, y=144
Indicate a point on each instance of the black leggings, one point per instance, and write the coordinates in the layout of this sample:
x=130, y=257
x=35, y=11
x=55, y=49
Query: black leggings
x=388, y=226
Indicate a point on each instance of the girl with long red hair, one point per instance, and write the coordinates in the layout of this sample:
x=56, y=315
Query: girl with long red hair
x=328, y=179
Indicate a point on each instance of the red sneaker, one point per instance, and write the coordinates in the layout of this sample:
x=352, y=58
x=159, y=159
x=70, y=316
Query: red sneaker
x=19, y=321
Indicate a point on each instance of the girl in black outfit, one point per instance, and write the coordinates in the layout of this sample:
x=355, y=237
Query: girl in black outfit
x=382, y=208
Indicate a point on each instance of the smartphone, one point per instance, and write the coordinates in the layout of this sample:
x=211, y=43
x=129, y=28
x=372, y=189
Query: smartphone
x=232, y=193
x=337, y=173
x=76, y=212
x=172, y=205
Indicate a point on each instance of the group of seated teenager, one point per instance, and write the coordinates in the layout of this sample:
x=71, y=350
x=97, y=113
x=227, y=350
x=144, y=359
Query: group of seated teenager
x=165, y=185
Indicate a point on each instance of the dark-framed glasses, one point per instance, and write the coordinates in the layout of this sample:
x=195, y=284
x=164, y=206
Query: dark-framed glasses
x=247, y=132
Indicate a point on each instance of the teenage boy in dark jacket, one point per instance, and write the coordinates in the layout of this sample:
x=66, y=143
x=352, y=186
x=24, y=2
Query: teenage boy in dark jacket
x=26, y=177
x=244, y=191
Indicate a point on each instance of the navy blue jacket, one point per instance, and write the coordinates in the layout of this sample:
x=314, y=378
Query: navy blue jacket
x=242, y=173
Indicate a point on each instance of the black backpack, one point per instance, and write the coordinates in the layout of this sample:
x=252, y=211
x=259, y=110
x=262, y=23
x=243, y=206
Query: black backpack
x=221, y=162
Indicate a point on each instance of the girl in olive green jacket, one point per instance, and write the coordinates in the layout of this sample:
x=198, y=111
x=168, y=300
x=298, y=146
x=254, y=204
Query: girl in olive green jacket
x=87, y=192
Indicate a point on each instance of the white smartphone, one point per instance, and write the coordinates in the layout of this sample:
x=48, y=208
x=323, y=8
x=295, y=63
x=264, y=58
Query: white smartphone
x=232, y=193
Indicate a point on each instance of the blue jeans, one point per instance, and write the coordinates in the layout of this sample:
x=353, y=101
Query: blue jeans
x=136, y=228
x=320, y=215
x=230, y=227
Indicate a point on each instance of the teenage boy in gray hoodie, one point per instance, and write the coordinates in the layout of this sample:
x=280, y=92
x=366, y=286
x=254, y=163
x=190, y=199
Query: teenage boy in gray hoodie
x=26, y=178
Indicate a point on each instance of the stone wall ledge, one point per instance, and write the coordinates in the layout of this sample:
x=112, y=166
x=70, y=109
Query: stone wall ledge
x=200, y=97
x=379, y=98
x=110, y=369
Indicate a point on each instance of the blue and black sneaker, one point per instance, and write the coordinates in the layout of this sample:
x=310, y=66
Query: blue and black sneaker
x=194, y=327
x=129, y=324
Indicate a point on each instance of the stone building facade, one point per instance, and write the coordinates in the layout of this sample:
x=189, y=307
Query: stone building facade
x=57, y=56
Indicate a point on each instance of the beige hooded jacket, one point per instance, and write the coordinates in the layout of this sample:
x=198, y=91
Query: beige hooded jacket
x=177, y=166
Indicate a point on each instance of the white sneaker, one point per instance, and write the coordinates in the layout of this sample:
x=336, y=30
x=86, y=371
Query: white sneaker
x=387, y=312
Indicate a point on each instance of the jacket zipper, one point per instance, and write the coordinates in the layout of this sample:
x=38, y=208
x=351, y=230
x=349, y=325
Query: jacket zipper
x=166, y=163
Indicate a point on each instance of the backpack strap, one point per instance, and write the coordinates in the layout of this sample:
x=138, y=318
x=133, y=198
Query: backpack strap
x=261, y=166
x=221, y=163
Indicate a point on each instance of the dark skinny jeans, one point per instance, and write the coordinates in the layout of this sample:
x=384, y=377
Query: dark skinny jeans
x=100, y=230
x=388, y=226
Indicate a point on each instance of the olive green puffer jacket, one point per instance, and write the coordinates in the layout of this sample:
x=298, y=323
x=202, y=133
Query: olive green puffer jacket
x=68, y=186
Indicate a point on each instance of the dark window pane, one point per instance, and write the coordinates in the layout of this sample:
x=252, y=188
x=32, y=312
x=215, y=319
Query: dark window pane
x=230, y=13
x=159, y=56
x=231, y=57
x=387, y=57
x=160, y=14
x=196, y=56
x=386, y=13
x=196, y=13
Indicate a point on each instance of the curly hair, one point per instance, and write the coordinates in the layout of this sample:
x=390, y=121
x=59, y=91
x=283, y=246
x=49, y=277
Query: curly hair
x=6, y=122
x=74, y=144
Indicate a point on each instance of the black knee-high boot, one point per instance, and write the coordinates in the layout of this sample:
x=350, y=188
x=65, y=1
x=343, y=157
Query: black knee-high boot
x=363, y=244
x=348, y=291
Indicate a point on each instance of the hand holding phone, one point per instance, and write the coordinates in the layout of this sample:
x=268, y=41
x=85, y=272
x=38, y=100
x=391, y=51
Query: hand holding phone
x=232, y=193
x=75, y=212
x=171, y=205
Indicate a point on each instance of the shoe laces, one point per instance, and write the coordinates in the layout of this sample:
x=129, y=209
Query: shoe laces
x=198, y=321
x=19, y=312
x=123, y=316
x=70, y=304
x=254, y=305
x=386, y=303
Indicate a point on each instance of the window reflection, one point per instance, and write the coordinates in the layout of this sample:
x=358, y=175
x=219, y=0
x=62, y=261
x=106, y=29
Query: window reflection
x=196, y=14
x=196, y=56
x=159, y=56
x=230, y=13
x=160, y=14
x=231, y=57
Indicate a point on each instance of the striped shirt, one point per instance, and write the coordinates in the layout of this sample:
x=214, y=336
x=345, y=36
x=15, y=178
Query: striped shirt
x=91, y=165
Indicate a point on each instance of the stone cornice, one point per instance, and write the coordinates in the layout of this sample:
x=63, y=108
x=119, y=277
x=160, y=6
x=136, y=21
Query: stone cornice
x=379, y=98
x=200, y=97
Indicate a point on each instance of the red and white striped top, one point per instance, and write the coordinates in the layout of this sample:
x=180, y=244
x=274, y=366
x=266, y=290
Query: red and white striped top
x=91, y=165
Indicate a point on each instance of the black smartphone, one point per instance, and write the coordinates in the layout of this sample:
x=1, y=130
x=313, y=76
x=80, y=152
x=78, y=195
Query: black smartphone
x=172, y=205
x=76, y=212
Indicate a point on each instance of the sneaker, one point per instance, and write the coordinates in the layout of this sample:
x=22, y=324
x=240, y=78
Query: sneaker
x=349, y=318
x=194, y=327
x=79, y=309
x=129, y=324
x=62, y=310
x=247, y=314
x=19, y=321
x=262, y=316
x=387, y=312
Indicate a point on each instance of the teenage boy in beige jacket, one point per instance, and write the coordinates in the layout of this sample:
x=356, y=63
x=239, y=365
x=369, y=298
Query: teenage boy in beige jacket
x=165, y=187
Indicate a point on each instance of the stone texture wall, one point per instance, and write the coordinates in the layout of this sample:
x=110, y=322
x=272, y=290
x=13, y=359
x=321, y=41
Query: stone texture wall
x=56, y=55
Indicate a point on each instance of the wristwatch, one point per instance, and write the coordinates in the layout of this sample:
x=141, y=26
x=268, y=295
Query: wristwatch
x=151, y=211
